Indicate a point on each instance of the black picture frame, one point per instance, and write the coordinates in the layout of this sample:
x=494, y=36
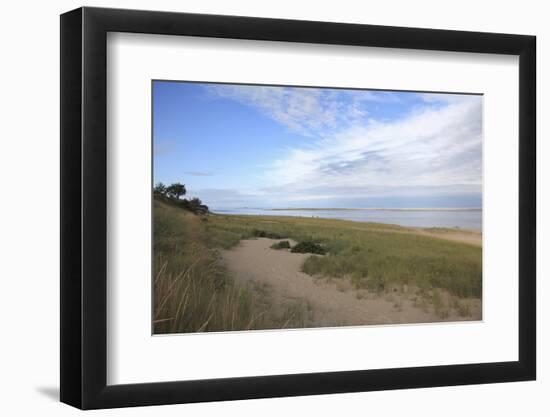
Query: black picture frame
x=84, y=207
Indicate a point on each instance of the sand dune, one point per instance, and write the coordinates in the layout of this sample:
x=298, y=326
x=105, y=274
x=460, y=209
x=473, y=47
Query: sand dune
x=330, y=302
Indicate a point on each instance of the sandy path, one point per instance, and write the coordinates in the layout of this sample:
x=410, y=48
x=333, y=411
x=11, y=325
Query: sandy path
x=330, y=303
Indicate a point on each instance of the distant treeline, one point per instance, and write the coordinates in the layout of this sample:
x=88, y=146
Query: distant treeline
x=173, y=193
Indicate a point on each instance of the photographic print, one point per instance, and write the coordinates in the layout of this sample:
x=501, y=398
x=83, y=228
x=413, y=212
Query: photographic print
x=285, y=207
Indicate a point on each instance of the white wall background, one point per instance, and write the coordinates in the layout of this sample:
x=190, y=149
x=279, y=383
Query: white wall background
x=29, y=177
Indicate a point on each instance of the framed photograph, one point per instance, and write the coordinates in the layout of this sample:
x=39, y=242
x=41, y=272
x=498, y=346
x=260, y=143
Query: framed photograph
x=257, y=208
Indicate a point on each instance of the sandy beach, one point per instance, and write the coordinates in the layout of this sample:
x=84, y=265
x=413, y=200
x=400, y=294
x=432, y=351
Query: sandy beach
x=472, y=237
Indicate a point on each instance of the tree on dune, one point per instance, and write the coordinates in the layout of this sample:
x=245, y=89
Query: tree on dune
x=176, y=190
x=160, y=189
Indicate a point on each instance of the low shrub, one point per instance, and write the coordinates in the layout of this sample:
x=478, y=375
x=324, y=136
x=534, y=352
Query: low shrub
x=284, y=244
x=308, y=247
x=263, y=233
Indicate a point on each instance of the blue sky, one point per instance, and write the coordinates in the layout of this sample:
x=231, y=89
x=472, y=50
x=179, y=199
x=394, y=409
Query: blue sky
x=265, y=146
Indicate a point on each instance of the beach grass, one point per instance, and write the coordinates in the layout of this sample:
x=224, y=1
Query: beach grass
x=192, y=289
x=374, y=256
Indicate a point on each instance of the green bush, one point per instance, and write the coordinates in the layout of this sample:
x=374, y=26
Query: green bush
x=263, y=233
x=284, y=244
x=308, y=247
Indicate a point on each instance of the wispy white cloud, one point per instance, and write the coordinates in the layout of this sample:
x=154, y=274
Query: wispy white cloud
x=435, y=148
x=312, y=112
x=432, y=149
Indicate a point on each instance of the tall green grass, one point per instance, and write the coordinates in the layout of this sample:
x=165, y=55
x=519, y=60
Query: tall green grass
x=374, y=256
x=193, y=292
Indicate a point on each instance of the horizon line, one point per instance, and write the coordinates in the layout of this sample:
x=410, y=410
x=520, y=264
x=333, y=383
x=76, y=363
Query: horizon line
x=356, y=208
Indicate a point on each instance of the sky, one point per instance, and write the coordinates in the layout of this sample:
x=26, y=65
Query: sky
x=237, y=146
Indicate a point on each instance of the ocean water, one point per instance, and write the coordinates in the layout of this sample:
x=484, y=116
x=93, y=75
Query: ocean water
x=465, y=219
